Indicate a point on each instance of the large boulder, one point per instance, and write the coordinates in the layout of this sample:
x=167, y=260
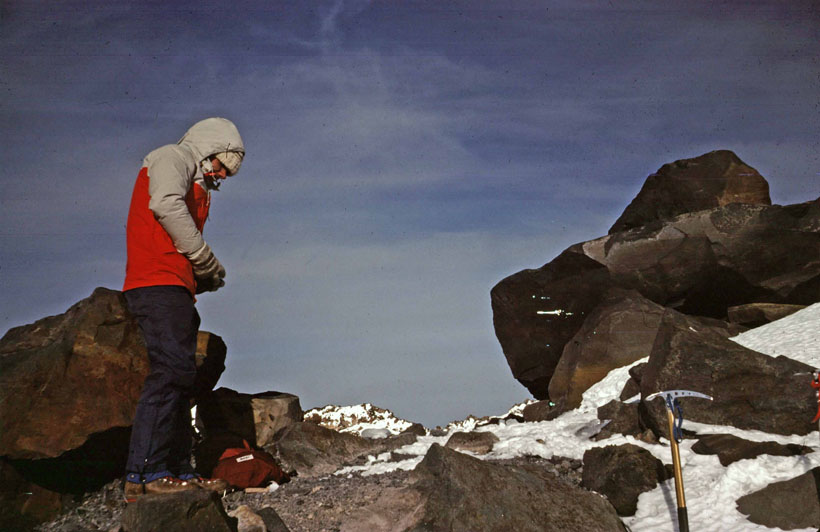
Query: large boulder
x=259, y=418
x=456, y=492
x=751, y=391
x=788, y=505
x=312, y=450
x=730, y=448
x=184, y=511
x=622, y=473
x=54, y=372
x=618, y=332
x=712, y=180
x=699, y=263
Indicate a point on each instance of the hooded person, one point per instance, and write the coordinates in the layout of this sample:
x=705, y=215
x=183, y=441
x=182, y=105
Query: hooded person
x=168, y=263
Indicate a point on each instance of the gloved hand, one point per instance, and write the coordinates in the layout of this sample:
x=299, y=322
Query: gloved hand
x=209, y=273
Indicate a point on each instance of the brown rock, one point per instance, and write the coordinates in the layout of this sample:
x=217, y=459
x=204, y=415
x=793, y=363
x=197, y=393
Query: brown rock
x=730, y=448
x=751, y=391
x=623, y=419
x=258, y=418
x=757, y=314
x=712, y=180
x=698, y=263
x=788, y=505
x=619, y=331
x=54, y=372
x=474, y=442
x=184, y=511
x=622, y=473
x=456, y=492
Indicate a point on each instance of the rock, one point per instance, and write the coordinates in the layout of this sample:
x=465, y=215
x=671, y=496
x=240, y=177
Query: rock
x=757, y=314
x=454, y=491
x=536, y=312
x=54, y=372
x=193, y=511
x=474, y=442
x=730, y=448
x=712, y=180
x=788, y=505
x=248, y=520
x=751, y=391
x=698, y=263
x=313, y=450
x=631, y=389
x=619, y=331
x=59, y=367
x=622, y=473
x=416, y=428
x=273, y=522
x=623, y=419
x=542, y=411
x=258, y=418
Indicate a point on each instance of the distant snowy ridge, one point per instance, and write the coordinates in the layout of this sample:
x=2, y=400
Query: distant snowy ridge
x=356, y=418
x=471, y=422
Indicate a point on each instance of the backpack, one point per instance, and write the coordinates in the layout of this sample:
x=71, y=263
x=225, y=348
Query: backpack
x=248, y=468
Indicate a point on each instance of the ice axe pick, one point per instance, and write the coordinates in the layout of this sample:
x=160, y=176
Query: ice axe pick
x=673, y=409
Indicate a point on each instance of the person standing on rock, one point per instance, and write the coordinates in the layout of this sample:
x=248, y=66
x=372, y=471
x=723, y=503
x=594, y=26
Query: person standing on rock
x=169, y=262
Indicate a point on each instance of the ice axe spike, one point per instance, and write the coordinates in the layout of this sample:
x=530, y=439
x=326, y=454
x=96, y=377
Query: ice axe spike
x=670, y=398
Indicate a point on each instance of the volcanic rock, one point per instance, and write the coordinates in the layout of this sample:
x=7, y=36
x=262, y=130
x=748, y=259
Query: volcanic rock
x=618, y=332
x=731, y=448
x=313, y=450
x=712, y=180
x=698, y=263
x=788, y=505
x=258, y=418
x=474, y=442
x=751, y=391
x=622, y=473
x=454, y=491
x=757, y=314
x=184, y=511
x=54, y=372
x=623, y=419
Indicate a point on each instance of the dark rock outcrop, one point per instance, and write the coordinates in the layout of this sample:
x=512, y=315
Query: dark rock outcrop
x=788, y=505
x=622, y=473
x=258, y=418
x=69, y=386
x=751, y=391
x=185, y=511
x=312, y=450
x=757, y=314
x=623, y=419
x=619, y=331
x=475, y=442
x=730, y=449
x=698, y=263
x=712, y=180
x=456, y=492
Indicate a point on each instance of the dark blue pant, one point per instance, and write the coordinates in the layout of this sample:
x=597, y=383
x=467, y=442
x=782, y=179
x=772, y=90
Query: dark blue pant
x=161, y=436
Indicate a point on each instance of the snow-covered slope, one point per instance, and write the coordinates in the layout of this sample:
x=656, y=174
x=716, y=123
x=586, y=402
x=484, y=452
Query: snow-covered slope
x=711, y=489
x=356, y=418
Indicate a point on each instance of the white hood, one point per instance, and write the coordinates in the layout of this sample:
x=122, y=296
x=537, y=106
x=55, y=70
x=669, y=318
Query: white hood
x=212, y=135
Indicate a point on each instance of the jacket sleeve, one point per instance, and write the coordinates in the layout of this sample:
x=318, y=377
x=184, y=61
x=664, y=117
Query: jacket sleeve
x=170, y=179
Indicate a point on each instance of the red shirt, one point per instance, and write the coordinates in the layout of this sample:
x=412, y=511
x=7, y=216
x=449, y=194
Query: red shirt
x=153, y=260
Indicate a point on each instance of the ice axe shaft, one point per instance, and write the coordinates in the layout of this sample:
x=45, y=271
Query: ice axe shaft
x=671, y=400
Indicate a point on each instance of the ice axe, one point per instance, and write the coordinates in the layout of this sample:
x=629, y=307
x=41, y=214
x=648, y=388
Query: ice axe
x=674, y=414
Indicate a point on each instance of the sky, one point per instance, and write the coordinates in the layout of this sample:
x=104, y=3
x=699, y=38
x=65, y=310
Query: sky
x=402, y=158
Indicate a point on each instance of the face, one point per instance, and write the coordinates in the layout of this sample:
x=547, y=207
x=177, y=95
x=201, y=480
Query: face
x=219, y=173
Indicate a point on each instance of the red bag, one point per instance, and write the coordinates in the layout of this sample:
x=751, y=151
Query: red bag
x=248, y=468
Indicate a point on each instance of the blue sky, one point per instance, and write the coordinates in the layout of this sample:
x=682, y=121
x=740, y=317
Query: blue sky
x=402, y=158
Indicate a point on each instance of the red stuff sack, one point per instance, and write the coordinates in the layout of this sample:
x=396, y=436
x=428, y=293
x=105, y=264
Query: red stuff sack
x=248, y=468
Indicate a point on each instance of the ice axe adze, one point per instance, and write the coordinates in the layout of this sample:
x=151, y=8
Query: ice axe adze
x=672, y=409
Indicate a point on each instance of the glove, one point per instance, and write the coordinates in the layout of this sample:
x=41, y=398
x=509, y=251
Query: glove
x=209, y=273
